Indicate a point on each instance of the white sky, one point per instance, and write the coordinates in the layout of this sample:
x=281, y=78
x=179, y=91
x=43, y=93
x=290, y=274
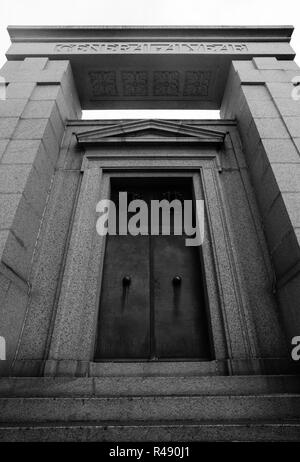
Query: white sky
x=151, y=12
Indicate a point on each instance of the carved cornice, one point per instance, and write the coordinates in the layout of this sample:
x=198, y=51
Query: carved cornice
x=151, y=131
x=115, y=33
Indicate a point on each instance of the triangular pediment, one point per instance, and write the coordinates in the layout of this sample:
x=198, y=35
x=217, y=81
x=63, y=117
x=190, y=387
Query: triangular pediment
x=147, y=131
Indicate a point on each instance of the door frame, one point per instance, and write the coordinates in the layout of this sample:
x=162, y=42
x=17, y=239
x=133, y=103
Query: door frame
x=73, y=338
x=97, y=173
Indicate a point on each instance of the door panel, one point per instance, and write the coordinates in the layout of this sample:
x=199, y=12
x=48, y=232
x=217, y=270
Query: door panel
x=151, y=317
x=181, y=329
x=124, y=328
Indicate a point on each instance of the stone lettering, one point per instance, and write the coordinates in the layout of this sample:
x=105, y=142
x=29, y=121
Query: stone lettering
x=151, y=47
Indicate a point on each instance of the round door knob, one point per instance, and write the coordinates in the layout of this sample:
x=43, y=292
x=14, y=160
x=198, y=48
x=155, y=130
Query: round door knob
x=177, y=280
x=126, y=281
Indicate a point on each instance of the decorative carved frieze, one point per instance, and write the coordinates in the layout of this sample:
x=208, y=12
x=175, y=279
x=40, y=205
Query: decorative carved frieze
x=166, y=83
x=156, y=84
x=103, y=83
x=135, y=83
x=196, y=83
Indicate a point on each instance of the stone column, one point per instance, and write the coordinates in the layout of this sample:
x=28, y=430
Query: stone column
x=40, y=96
x=260, y=94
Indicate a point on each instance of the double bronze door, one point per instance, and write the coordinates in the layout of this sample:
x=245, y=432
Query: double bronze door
x=152, y=304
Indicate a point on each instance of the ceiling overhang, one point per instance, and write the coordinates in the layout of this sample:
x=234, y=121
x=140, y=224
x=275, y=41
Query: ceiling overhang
x=150, y=67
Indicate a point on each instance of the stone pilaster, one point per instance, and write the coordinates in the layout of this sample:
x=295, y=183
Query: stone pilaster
x=259, y=94
x=40, y=96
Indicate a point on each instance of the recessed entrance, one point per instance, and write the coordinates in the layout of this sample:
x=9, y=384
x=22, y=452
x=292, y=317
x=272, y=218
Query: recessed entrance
x=152, y=304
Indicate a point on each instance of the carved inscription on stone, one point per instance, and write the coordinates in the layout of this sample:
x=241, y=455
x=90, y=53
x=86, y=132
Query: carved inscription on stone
x=103, y=83
x=166, y=83
x=151, y=47
x=135, y=83
x=196, y=83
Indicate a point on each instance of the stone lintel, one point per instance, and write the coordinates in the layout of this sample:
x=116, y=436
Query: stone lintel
x=187, y=69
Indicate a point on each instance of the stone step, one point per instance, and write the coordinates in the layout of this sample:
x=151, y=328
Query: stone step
x=158, y=432
x=272, y=408
x=158, y=368
x=143, y=386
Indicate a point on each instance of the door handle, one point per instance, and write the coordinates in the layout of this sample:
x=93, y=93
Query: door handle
x=126, y=281
x=176, y=281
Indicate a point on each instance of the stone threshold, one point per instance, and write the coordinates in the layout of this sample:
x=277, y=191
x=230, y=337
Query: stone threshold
x=47, y=387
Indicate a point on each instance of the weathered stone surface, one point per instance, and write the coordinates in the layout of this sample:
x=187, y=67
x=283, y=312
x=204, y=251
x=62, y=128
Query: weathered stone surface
x=48, y=266
x=32, y=133
x=288, y=107
x=30, y=129
x=271, y=146
x=289, y=65
x=277, y=222
x=12, y=107
x=51, y=143
x=4, y=286
x=7, y=127
x=251, y=76
x=271, y=128
x=292, y=204
x=70, y=94
x=14, y=255
x=19, y=217
x=280, y=90
x=13, y=178
x=267, y=63
x=34, y=63
x=63, y=96
x=26, y=180
x=260, y=311
x=3, y=145
x=285, y=257
x=265, y=110
x=3, y=237
x=39, y=129
x=45, y=92
x=251, y=139
x=214, y=432
x=8, y=207
x=256, y=93
x=19, y=90
x=148, y=384
x=288, y=294
x=12, y=316
x=31, y=153
x=293, y=125
x=232, y=96
x=26, y=169
x=38, y=110
x=287, y=176
x=45, y=110
x=280, y=151
x=21, y=151
x=151, y=409
x=277, y=75
x=258, y=164
x=72, y=338
x=35, y=70
x=297, y=143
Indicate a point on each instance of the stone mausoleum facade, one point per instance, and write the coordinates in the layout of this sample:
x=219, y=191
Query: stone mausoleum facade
x=135, y=338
